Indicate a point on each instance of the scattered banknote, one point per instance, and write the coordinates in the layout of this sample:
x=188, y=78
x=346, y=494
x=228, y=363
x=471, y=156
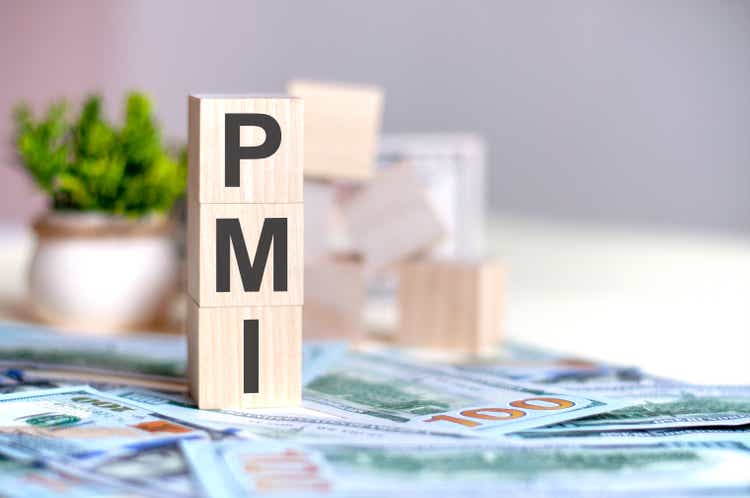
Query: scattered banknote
x=34, y=357
x=476, y=468
x=158, y=470
x=154, y=356
x=103, y=439
x=524, y=422
x=22, y=479
x=318, y=355
x=660, y=407
x=558, y=372
x=81, y=422
x=381, y=388
x=640, y=436
x=524, y=364
x=281, y=424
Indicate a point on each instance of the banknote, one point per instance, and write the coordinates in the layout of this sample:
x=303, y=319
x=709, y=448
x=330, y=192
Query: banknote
x=157, y=470
x=150, y=360
x=639, y=436
x=81, y=422
x=282, y=424
x=318, y=355
x=479, y=468
x=559, y=372
x=159, y=356
x=666, y=407
x=14, y=380
x=18, y=380
x=384, y=389
x=22, y=479
x=524, y=364
x=210, y=472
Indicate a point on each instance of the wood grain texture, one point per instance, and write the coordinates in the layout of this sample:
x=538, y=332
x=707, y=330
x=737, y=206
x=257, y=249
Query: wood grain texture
x=275, y=179
x=450, y=306
x=334, y=298
x=201, y=254
x=216, y=363
x=342, y=123
x=389, y=219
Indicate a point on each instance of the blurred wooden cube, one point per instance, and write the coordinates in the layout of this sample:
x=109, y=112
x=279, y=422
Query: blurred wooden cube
x=334, y=298
x=390, y=220
x=451, y=306
x=342, y=123
x=319, y=212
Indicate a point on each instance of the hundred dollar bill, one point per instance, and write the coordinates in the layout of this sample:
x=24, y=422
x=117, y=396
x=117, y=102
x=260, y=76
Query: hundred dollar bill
x=19, y=380
x=159, y=470
x=562, y=371
x=156, y=356
x=379, y=388
x=282, y=424
x=488, y=468
x=660, y=407
x=81, y=422
x=558, y=372
x=318, y=355
x=524, y=364
x=22, y=479
x=641, y=436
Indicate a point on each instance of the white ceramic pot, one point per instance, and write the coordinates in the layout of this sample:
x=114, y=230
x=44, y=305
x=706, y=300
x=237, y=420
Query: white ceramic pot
x=99, y=273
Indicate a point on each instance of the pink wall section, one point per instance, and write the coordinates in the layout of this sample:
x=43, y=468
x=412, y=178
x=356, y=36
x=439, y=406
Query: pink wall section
x=50, y=50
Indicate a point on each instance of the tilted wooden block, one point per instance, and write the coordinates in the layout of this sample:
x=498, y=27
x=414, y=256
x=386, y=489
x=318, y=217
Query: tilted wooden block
x=245, y=357
x=319, y=211
x=262, y=241
x=390, y=220
x=334, y=298
x=450, y=306
x=237, y=125
x=342, y=123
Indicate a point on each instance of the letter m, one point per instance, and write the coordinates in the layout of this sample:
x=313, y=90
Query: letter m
x=273, y=233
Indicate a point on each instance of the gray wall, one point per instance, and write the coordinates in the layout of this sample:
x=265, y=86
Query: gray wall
x=633, y=112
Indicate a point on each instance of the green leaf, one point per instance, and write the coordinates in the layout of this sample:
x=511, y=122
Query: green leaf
x=92, y=165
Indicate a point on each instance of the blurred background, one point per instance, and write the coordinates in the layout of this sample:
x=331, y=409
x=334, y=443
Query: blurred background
x=617, y=136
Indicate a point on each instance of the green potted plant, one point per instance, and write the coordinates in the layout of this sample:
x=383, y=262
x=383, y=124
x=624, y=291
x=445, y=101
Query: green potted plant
x=104, y=258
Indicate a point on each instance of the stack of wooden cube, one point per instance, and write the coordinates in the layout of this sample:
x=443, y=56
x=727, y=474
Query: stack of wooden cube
x=244, y=250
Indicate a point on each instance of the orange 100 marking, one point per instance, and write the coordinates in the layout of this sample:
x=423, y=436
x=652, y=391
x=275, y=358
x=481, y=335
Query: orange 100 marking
x=503, y=413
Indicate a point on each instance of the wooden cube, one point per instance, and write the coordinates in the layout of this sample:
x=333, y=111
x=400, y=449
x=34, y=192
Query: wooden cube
x=273, y=179
x=450, y=306
x=334, y=298
x=390, y=219
x=342, y=123
x=319, y=211
x=245, y=357
x=215, y=230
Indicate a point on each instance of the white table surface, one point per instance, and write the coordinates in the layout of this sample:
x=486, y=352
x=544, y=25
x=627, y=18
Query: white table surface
x=675, y=304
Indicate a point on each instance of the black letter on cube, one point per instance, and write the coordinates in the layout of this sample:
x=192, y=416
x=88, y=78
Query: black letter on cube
x=229, y=233
x=233, y=152
x=251, y=347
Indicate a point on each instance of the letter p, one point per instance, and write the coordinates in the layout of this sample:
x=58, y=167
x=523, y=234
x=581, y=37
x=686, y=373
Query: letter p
x=233, y=151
